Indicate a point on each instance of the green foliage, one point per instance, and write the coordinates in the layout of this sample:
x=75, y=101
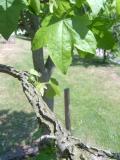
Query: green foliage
x=52, y=85
x=84, y=39
x=63, y=8
x=102, y=28
x=41, y=87
x=110, y=9
x=118, y=6
x=9, y=15
x=34, y=6
x=34, y=79
x=34, y=72
x=55, y=85
x=58, y=42
x=53, y=88
x=62, y=37
x=66, y=25
x=47, y=153
x=106, y=41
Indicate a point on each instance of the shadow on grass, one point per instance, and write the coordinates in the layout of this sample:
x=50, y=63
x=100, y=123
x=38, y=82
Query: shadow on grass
x=86, y=62
x=15, y=129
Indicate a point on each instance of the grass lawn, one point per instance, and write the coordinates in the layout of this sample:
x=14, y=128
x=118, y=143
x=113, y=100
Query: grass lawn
x=95, y=101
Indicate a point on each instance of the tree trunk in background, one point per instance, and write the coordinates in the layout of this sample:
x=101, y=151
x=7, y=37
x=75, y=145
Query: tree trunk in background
x=38, y=61
x=104, y=56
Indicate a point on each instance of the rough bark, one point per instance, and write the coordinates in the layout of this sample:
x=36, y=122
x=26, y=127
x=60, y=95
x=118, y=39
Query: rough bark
x=69, y=146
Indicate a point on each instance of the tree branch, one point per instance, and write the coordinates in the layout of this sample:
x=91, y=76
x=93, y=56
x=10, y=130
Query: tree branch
x=10, y=70
x=69, y=146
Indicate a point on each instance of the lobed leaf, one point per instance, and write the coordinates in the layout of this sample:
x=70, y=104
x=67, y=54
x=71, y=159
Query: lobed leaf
x=57, y=39
x=9, y=15
x=60, y=38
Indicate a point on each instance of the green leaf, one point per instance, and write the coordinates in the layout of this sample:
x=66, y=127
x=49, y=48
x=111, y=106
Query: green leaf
x=32, y=79
x=101, y=26
x=105, y=41
x=40, y=38
x=62, y=36
x=41, y=87
x=64, y=8
x=118, y=6
x=34, y=72
x=85, y=54
x=46, y=21
x=102, y=23
x=58, y=41
x=50, y=92
x=88, y=44
x=96, y=5
x=52, y=4
x=9, y=15
x=84, y=39
x=55, y=85
x=47, y=153
x=53, y=88
x=34, y=6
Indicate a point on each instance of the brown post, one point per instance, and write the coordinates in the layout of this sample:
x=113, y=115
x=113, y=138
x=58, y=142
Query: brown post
x=67, y=108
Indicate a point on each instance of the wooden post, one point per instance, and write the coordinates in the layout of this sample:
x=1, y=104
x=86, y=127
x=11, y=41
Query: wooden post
x=67, y=108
